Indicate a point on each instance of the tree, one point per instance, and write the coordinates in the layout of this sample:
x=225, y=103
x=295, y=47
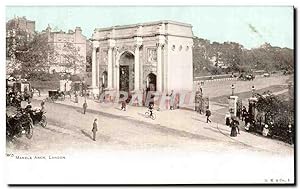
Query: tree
x=34, y=56
x=277, y=110
x=71, y=57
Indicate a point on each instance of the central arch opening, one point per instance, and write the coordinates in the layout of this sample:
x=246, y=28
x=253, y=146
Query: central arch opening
x=126, y=80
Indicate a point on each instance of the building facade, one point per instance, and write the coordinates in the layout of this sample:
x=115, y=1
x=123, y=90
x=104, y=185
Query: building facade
x=21, y=24
x=155, y=56
x=70, y=51
x=19, y=31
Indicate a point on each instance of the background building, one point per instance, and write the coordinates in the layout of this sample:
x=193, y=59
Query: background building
x=70, y=51
x=21, y=24
x=19, y=32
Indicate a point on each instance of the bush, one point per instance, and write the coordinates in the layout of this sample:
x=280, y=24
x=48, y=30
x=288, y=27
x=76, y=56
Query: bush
x=279, y=112
x=43, y=76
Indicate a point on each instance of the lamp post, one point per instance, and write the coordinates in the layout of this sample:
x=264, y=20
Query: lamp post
x=253, y=89
x=232, y=89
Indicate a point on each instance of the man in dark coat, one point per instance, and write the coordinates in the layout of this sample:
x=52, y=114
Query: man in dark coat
x=208, y=114
x=95, y=129
x=43, y=105
x=84, y=107
x=76, y=97
x=244, y=113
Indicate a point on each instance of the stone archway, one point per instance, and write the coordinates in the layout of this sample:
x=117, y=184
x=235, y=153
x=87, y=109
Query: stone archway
x=126, y=72
x=151, y=82
x=104, y=79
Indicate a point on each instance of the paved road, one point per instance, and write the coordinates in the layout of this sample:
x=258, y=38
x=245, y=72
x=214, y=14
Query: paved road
x=69, y=129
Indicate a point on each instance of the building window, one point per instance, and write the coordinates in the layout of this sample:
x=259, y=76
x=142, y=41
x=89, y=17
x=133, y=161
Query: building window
x=180, y=47
x=173, y=47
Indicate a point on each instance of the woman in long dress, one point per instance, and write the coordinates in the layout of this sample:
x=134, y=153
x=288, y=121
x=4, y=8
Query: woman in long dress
x=233, y=126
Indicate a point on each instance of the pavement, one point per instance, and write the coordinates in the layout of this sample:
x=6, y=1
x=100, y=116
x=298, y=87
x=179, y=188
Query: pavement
x=176, y=124
x=187, y=122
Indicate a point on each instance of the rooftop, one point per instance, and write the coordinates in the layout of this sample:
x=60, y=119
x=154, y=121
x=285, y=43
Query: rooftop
x=144, y=24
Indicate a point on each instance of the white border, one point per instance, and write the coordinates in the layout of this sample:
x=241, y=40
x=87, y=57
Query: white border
x=115, y=2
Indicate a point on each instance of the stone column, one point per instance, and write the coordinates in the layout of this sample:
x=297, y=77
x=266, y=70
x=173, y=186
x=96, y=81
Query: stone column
x=94, y=68
x=109, y=68
x=137, y=68
x=95, y=74
x=159, y=68
x=116, y=70
x=165, y=69
x=111, y=46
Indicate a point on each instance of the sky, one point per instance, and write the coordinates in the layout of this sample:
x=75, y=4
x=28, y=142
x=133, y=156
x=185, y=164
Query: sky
x=250, y=26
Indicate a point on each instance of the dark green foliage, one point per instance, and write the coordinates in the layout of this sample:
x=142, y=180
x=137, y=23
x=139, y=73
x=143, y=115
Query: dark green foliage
x=278, y=111
x=216, y=58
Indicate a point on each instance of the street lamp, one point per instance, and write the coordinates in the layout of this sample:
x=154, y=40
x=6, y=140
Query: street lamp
x=232, y=89
x=253, y=89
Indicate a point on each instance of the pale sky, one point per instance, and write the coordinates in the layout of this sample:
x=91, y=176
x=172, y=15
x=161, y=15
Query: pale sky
x=249, y=26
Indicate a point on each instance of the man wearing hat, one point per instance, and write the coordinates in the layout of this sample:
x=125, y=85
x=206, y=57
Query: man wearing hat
x=208, y=114
x=95, y=129
x=84, y=106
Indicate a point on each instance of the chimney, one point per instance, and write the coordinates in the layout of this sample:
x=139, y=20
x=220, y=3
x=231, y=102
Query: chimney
x=48, y=29
x=78, y=29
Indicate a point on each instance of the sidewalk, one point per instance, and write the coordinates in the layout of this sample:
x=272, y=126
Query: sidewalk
x=186, y=121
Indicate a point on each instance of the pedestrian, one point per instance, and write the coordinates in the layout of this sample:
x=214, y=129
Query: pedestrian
x=246, y=118
x=208, y=114
x=84, y=106
x=43, y=105
x=265, y=131
x=123, y=105
x=76, y=97
x=227, y=119
x=244, y=113
x=233, y=125
x=95, y=129
x=197, y=101
x=151, y=107
x=29, y=106
x=237, y=123
x=247, y=121
x=172, y=100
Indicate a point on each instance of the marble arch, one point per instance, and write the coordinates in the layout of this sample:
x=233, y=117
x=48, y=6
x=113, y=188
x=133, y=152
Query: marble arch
x=163, y=48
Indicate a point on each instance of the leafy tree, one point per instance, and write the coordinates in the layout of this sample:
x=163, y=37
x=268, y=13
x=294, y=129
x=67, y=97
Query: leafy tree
x=277, y=110
x=238, y=59
x=34, y=56
x=71, y=59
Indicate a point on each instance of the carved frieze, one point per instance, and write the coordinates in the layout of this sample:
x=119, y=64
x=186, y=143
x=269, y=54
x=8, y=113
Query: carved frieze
x=104, y=57
x=125, y=48
x=151, y=55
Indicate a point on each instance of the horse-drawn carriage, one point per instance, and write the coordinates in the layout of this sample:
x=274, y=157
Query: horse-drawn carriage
x=246, y=77
x=55, y=95
x=38, y=117
x=18, y=123
x=24, y=88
